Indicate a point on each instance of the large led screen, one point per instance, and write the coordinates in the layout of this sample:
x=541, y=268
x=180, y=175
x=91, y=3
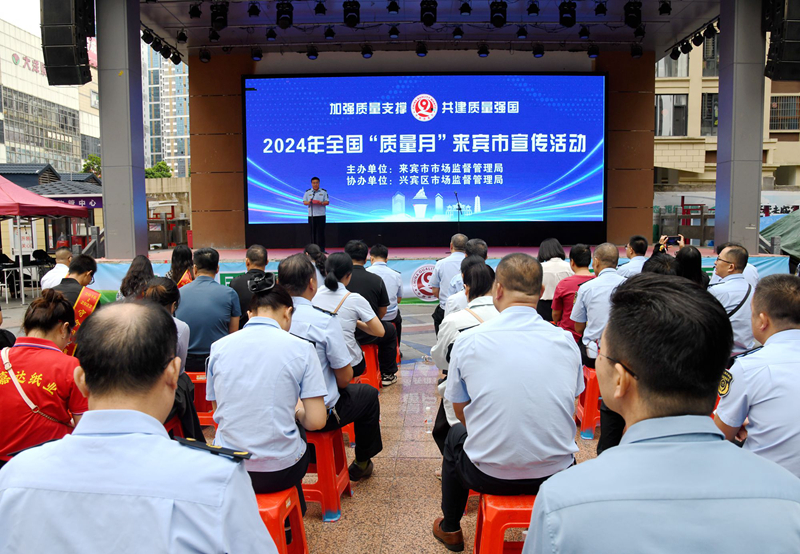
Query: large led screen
x=415, y=148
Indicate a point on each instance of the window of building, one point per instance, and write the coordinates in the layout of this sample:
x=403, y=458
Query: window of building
x=94, y=99
x=784, y=113
x=89, y=146
x=709, y=115
x=671, y=113
x=711, y=57
x=667, y=67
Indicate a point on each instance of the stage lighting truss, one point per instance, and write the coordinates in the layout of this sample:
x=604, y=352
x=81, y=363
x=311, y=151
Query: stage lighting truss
x=319, y=9
x=498, y=10
x=219, y=16
x=533, y=8
x=284, y=15
x=465, y=8
x=253, y=10
x=352, y=13
x=427, y=12
x=633, y=13
x=567, y=13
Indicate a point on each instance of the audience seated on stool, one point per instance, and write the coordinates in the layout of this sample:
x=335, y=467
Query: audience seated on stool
x=735, y=294
x=580, y=257
x=378, y=255
x=458, y=301
x=636, y=251
x=255, y=261
x=673, y=483
x=346, y=403
x=443, y=272
x=55, y=275
x=262, y=379
x=118, y=482
x=211, y=310
x=79, y=275
x=555, y=269
x=457, y=297
x=517, y=430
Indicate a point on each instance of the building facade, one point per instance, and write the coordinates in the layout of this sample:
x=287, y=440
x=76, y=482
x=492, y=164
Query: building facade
x=165, y=95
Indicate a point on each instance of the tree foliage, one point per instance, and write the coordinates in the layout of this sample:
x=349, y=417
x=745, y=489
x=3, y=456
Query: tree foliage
x=92, y=165
x=159, y=171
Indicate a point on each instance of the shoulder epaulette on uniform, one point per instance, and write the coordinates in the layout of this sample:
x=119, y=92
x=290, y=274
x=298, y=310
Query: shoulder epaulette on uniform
x=237, y=455
x=747, y=352
x=320, y=188
x=324, y=311
x=305, y=339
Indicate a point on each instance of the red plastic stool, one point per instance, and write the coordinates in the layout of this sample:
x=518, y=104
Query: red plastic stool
x=205, y=411
x=587, y=412
x=174, y=427
x=372, y=373
x=274, y=509
x=350, y=431
x=332, y=476
x=495, y=515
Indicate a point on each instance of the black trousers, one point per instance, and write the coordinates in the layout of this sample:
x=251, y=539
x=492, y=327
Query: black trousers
x=317, y=224
x=438, y=316
x=545, y=309
x=612, y=426
x=441, y=428
x=358, y=404
x=195, y=362
x=459, y=475
x=585, y=360
x=387, y=347
x=265, y=482
x=2, y=463
x=398, y=324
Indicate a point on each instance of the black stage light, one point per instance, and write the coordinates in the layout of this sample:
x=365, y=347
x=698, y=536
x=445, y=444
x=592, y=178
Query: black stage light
x=271, y=35
x=710, y=31
x=176, y=58
x=483, y=50
x=636, y=51
x=600, y=9
x=329, y=33
x=633, y=13
x=566, y=14
x=213, y=36
x=394, y=32
x=639, y=31
x=458, y=33
x=698, y=39
x=156, y=44
x=219, y=16
x=166, y=51
x=522, y=33
x=319, y=9
x=664, y=7
x=393, y=8
x=205, y=56
x=584, y=32
x=366, y=51
x=686, y=47
x=352, y=13
x=465, y=8
x=182, y=36
x=538, y=50
x=195, y=12
x=593, y=51
x=312, y=52
x=533, y=8
x=253, y=10
x=498, y=11
x=675, y=54
x=422, y=50
x=427, y=12
x=284, y=14
x=256, y=53
x=147, y=36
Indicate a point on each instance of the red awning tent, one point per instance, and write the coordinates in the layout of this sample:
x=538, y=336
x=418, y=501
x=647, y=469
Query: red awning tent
x=18, y=202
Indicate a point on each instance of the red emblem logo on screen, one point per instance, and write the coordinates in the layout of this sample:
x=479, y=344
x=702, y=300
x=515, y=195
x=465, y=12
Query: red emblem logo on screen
x=424, y=107
x=421, y=283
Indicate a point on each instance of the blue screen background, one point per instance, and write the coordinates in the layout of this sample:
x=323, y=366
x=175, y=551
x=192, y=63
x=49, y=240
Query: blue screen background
x=532, y=186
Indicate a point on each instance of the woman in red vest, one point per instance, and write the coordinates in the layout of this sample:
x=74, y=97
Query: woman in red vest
x=39, y=400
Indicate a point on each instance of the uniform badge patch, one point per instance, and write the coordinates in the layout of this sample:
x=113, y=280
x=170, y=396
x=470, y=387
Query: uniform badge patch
x=725, y=383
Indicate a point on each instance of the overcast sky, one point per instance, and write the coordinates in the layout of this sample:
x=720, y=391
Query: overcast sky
x=22, y=13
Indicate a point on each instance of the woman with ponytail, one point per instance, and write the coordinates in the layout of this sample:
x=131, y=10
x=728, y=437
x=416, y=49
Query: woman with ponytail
x=39, y=400
x=352, y=309
x=318, y=257
x=165, y=292
x=267, y=388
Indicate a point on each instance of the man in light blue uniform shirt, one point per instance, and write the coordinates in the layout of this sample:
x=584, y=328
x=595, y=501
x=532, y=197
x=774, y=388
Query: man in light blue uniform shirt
x=346, y=402
x=762, y=387
x=750, y=271
x=673, y=484
x=118, y=483
x=517, y=428
x=735, y=294
x=636, y=251
x=457, y=296
x=443, y=272
x=316, y=199
x=590, y=314
x=378, y=255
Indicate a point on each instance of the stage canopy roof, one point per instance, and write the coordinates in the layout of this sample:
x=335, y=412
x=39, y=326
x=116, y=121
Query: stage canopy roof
x=16, y=201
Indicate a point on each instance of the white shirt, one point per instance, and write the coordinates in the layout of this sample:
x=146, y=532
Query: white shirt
x=456, y=302
x=320, y=195
x=730, y=291
x=443, y=272
x=764, y=386
x=54, y=276
x=456, y=322
x=593, y=303
x=355, y=308
x=520, y=375
x=553, y=270
x=394, y=286
x=633, y=267
x=118, y=483
x=750, y=275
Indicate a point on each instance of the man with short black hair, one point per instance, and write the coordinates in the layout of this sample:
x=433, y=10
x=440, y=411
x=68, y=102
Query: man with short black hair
x=457, y=297
x=378, y=258
x=735, y=294
x=673, y=464
x=79, y=275
x=68, y=495
x=316, y=199
x=759, y=394
x=210, y=310
x=443, y=272
x=255, y=261
x=373, y=289
x=517, y=431
x=580, y=257
x=636, y=251
x=55, y=275
x=750, y=271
